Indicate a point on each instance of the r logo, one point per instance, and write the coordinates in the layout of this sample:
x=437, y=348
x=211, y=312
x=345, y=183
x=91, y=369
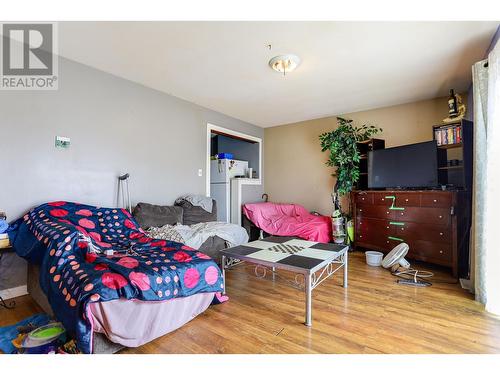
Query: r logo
x=27, y=49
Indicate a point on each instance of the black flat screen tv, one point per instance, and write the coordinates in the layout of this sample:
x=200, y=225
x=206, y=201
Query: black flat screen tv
x=410, y=166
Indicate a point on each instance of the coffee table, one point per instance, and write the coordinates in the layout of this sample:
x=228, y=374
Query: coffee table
x=314, y=262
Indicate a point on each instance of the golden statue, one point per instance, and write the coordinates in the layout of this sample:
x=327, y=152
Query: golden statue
x=461, y=111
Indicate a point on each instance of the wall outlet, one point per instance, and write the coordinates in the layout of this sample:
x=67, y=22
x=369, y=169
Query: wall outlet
x=62, y=142
x=200, y=172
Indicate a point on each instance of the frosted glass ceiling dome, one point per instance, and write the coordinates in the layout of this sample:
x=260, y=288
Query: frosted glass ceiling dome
x=284, y=63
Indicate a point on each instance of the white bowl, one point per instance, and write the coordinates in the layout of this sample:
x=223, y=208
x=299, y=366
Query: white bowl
x=374, y=258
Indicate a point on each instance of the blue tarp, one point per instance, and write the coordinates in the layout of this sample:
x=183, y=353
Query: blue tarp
x=9, y=333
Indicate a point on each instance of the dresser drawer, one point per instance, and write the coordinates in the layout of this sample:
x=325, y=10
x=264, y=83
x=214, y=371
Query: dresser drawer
x=380, y=199
x=384, y=243
x=372, y=227
x=364, y=198
x=430, y=251
x=416, y=231
x=373, y=231
x=400, y=199
x=423, y=215
x=436, y=200
x=390, y=242
x=374, y=212
x=404, y=200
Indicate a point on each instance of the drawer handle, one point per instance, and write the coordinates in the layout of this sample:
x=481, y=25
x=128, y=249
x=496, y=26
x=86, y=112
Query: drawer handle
x=397, y=223
x=360, y=210
x=387, y=212
x=362, y=199
x=396, y=239
x=360, y=223
x=440, y=251
x=435, y=200
x=387, y=241
x=402, y=214
x=393, y=202
x=387, y=227
x=406, y=200
x=440, y=233
x=383, y=199
x=440, y=216
x=402, y=229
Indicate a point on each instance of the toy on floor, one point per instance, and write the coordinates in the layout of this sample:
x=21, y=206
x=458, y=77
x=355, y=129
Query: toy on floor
x=69, y=348
x=44, y=340
x=12, y=332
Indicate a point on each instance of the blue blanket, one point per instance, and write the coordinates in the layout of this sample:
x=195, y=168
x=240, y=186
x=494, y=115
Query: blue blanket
x=70, y=240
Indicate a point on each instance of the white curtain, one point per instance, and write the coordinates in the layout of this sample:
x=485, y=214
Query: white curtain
x=478, y=258
x=486, y=250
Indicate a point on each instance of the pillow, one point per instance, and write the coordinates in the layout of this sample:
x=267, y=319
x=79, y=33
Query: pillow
x=151, y=215
x=195, y=214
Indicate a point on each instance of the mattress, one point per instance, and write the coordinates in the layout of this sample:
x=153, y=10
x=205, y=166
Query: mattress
x=133, y=323
x=129, y=323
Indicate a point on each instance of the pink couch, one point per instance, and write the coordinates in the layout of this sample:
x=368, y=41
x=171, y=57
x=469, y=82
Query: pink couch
x=283, y=219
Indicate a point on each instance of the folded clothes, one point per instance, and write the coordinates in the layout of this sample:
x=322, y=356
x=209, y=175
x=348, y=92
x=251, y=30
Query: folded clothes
x=197, y=200
x=195, y=235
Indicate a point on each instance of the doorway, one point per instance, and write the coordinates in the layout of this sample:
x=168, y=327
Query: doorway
x=240, y=163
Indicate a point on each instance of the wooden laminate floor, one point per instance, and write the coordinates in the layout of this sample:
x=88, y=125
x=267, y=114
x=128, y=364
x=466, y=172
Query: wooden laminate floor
x=374, y=315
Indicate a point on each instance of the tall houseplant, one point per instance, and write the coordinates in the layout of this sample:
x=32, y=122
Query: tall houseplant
x=344, y=155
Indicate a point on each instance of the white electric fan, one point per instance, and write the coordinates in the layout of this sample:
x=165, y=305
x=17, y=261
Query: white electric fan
x=400, y=267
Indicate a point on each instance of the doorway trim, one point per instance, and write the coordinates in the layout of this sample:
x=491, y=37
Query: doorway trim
x=210, y=127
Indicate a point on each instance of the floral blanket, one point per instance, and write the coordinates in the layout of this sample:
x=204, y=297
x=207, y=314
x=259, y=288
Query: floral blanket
x=92, y=254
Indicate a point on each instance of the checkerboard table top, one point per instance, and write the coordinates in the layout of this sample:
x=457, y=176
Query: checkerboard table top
x=287, y=252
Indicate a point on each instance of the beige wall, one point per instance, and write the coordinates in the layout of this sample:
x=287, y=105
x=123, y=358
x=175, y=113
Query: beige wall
x=295, y=166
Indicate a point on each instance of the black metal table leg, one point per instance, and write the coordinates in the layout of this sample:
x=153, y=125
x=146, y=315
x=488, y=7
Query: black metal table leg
x=9, y=305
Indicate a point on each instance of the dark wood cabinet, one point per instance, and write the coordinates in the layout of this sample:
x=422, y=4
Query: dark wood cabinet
x=433, y=223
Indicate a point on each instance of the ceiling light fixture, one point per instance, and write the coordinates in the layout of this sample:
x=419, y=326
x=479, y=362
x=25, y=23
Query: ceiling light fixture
x=284, y=63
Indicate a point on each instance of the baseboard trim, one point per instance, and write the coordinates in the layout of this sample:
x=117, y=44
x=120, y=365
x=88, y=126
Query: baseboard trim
x=17, y=291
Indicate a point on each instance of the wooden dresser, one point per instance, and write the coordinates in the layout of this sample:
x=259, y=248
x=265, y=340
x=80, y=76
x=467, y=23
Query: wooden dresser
x=433, y=223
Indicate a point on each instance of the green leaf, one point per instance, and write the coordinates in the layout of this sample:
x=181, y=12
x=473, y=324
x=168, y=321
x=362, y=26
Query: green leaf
x=343, y=152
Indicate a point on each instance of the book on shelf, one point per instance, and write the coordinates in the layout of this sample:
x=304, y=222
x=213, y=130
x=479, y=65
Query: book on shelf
x=448, y=135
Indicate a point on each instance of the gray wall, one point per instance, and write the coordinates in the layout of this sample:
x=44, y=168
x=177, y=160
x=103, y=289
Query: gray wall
x=115, y=126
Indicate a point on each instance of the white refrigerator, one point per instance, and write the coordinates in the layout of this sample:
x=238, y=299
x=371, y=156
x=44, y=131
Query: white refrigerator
x=221, y=173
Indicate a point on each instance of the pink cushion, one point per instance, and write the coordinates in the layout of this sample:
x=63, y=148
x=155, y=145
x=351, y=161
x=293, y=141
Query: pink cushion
x=282, y=219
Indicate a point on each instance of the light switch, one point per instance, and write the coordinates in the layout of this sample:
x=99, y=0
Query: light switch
x=62, y=142
x=200, y=172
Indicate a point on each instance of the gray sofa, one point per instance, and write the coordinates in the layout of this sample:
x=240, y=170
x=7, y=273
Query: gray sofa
x=150, y=215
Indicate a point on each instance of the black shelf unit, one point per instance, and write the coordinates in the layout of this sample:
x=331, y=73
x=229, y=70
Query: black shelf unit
x=363, y=148
x=457, y=176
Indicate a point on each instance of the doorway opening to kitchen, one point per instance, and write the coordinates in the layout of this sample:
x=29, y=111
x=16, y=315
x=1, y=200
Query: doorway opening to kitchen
x=234, y=159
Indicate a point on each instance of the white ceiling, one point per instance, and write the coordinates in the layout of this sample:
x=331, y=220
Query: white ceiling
x=346, y=66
